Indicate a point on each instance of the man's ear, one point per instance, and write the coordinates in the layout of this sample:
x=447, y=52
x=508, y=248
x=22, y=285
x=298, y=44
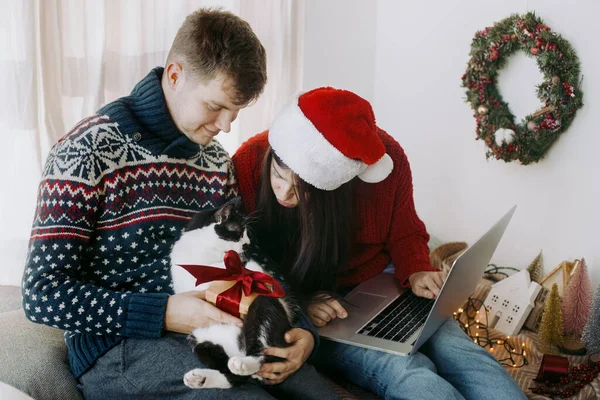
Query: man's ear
x=174, y=74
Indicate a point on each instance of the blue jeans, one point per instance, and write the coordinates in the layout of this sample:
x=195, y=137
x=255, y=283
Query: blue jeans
x=154, y=368
x=448, y=366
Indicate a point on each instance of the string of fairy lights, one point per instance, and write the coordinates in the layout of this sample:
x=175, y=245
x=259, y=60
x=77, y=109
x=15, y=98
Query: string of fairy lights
x=476, y=327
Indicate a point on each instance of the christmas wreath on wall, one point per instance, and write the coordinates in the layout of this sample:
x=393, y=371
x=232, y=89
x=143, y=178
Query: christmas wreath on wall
x=559, y=92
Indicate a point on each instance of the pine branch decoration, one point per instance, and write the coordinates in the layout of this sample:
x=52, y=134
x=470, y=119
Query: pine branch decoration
x=551, y=329
x=577, y=301
x=560, y=91
x=591, y=332
x=536, y=269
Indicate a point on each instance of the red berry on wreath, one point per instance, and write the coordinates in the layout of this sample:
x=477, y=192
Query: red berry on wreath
x=535, y=51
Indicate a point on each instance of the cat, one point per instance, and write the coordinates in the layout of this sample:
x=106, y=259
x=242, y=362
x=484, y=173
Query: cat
x=231, y=355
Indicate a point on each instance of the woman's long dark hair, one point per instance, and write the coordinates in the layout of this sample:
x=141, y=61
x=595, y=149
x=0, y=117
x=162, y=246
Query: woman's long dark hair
x=311, y=242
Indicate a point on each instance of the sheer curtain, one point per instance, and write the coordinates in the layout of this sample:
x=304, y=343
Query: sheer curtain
x=60, y=60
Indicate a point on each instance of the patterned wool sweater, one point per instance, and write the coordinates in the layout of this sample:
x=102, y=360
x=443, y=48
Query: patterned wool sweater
x=388, y=229
x=116, y=193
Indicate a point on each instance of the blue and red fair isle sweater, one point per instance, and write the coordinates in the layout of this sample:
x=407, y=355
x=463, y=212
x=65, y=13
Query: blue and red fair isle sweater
x=116, y=193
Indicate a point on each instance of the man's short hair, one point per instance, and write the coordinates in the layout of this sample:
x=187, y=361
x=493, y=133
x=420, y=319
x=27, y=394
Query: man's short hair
x=213, y=41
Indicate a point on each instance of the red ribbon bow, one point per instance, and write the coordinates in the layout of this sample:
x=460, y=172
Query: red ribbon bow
x=248, y=281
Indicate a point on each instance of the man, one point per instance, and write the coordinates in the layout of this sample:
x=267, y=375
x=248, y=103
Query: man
x=117, y=192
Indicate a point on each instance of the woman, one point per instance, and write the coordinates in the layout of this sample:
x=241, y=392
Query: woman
x=332, y=194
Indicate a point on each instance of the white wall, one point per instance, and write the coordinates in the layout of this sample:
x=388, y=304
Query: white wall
x=339, y=50
x=421, y=51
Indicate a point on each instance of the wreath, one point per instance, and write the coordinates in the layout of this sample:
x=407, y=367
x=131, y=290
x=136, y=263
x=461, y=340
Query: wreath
x=560, y=91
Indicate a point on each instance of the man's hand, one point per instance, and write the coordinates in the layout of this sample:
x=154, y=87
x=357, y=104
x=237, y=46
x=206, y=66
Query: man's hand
x=188, y=311
x=427, y=283
x=323, y=308
x=294, y=356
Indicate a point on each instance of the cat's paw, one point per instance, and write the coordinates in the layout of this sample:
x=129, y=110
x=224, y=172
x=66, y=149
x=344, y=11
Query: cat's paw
x=244, y=366
x=205, y=379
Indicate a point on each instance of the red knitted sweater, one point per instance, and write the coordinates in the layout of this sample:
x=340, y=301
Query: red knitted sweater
x=389, y=230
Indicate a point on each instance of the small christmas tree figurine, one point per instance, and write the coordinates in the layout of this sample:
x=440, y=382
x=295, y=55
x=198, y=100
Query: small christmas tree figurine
x=591, y=332
x=577, y=301
x=551, y=329
x=536, y=269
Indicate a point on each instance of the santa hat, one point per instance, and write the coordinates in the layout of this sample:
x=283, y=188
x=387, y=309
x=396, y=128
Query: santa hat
x=328, y=137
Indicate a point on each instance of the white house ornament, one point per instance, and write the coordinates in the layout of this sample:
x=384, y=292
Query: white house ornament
x=509, y=303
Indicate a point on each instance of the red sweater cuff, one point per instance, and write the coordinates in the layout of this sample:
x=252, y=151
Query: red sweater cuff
x=403, y=273
x=409, y=256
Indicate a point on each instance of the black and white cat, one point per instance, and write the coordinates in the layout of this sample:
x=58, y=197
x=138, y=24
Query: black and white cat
x=231, y=354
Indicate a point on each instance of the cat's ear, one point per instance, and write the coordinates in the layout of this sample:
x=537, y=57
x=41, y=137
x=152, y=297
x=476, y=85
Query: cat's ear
x=237, y=204
x=200, y=220
x=225, y=211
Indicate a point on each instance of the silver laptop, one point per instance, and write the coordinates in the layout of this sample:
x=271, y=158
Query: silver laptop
x=383, y=316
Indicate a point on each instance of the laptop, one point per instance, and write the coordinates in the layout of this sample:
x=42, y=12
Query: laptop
x=384, y=316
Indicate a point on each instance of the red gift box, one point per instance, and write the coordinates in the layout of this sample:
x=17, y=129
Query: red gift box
x=237, y=296
x=217, y=288
x=552, y=368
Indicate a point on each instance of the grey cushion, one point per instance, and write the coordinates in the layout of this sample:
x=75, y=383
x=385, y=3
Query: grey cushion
x=10, y=298
x=33, y=359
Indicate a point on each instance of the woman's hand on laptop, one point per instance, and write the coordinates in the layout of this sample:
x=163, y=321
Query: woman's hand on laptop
x=323, y=308
x=427, y=283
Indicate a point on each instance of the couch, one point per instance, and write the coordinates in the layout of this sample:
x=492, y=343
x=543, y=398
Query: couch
x=48, y=377
x=33, y=358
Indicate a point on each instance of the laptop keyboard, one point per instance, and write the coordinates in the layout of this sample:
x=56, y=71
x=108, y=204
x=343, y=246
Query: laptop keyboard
x=399, y=320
